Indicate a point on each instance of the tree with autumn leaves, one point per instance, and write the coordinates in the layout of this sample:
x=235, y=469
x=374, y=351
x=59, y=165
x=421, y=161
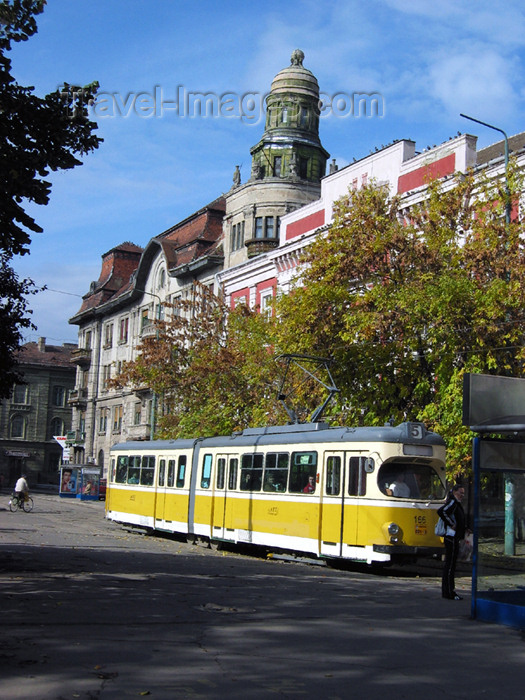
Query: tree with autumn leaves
x=403, y=303
x=406, y=304
x=210, y=368
x=213, y=370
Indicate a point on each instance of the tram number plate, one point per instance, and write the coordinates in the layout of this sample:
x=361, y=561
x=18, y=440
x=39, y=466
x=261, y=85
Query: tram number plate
x=420, y=524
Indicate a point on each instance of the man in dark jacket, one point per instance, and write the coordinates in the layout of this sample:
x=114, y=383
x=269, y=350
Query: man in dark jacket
x=454, y=516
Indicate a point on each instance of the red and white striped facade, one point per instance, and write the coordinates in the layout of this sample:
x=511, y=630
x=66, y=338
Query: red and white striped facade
x=398, y=166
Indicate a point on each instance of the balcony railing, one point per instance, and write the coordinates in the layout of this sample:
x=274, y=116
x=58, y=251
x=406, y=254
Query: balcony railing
x=258, y=246
x=77, y=397
x=20, y=407
x=149, y=330
x=81, y=356
x=138, y=432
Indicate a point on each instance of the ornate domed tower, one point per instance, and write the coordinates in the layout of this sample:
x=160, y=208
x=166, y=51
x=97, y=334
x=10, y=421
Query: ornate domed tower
x=290, y=147
x=287, y=166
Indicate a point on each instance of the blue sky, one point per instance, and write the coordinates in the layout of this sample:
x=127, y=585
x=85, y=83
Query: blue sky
x=428, y=60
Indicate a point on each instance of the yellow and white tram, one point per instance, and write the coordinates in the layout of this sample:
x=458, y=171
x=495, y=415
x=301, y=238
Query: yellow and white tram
x=364, y=494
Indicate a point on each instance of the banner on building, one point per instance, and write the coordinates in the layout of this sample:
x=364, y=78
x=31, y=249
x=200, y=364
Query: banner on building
x=61, y=439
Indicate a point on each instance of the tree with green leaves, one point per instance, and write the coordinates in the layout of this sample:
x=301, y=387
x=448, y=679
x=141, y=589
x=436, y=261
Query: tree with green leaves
x=37, y=135
x=405, y=304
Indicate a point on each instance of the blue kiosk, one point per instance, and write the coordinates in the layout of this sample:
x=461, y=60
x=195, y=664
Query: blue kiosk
x=494, y=405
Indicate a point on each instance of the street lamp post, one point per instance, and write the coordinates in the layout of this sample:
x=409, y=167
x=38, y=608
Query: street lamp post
x=506, y=140
x=510, y=547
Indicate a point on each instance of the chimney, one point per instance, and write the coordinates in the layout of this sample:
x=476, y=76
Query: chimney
x=42, y=344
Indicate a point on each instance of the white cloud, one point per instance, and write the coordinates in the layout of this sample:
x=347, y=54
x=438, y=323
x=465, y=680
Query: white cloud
x=476, y=82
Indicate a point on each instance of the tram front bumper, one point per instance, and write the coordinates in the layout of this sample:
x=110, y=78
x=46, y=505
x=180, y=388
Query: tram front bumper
x=396, y=550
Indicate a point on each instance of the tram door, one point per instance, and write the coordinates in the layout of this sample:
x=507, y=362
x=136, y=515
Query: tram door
x=160, y=501
x=338, y=520
x=220, y=492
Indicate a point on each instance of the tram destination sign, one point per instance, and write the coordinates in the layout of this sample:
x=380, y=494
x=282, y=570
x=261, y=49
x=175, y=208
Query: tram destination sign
x=493, y=404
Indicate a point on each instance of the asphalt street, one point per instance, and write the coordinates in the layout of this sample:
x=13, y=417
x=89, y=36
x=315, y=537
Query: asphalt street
x=91, y=610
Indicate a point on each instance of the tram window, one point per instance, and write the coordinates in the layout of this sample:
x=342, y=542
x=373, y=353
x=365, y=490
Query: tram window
x=418, y=480
x=333, y=476
x=232, y=475
x=113, y=470
x=171, y=473
x=134, y=470
x=304, y=464
x=206, y=472
x=276, y=471
x=121, y=475
x=162, y=471
x=221, y=471
x=181, y=471
x=357, y=476
x=251, y=472
x=147, y=475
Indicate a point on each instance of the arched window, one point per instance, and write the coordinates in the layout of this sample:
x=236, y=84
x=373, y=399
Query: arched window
x=18, y=426
x=161, y=280
x=100, y=460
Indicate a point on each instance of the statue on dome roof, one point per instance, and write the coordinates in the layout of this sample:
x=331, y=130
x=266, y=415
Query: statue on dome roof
x=297, y=58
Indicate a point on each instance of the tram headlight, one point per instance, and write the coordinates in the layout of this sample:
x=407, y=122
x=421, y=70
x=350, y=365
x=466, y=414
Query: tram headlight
x=395, y=533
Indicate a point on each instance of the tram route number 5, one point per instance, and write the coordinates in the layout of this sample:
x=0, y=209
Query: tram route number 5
x=415, y=431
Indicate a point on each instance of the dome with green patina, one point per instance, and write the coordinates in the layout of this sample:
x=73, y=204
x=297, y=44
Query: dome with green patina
x=296, y=78
x=290, y=147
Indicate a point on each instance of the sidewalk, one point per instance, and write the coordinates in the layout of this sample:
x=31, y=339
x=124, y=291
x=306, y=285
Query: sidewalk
x=91, y=610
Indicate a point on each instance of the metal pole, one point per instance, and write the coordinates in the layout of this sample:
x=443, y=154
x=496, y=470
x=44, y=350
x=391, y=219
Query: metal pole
x=506, y=141
x=510, y=543
x=509, y=490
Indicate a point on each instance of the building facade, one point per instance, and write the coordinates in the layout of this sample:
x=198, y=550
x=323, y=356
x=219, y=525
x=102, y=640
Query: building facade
x=36, y=411
x=399, y=167
x=136, y=284
x=133, y=289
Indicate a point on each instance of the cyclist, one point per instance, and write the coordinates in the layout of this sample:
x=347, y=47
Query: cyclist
x=22, y=489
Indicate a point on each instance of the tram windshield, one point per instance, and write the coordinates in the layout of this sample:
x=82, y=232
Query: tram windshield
x=401, y=480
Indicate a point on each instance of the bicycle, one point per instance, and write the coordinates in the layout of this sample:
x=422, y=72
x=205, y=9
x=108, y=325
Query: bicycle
x=17, y=503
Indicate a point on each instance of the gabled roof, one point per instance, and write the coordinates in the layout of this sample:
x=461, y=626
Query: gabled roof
x=195, y=240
